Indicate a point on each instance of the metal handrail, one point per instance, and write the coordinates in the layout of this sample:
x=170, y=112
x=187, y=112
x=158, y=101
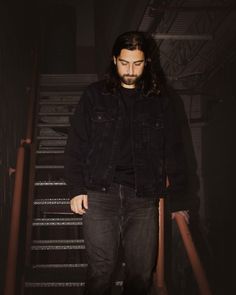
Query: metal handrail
x=17, y=199
x=10, y=277
x=193, y=256
x=198, y=271
x=160, y=272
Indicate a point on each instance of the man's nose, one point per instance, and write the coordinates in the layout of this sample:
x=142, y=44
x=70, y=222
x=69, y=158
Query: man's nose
x=131, y=69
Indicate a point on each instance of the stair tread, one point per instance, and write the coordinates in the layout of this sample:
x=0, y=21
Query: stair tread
x=63, y=137
x=57, y=247
x=60, y=93
x=52, y=201
x=62, y=284
x=50, y=151
x=53, y=284
x=53, y=125
x=55, y=114
x=57, y=265
x=57, y=221
x=58, y=102
x=67, y=241
x=55, y=275
x=49, y=166
x=74, y=276
x=50, y=183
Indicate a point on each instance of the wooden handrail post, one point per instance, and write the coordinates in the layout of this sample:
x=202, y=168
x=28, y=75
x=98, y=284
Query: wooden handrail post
x=160, y=273
x=10, y=278
x=193, y=255
x=160, y=260
x=189, y=247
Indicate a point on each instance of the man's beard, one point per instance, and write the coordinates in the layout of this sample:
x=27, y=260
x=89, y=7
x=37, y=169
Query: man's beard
x=130, y=79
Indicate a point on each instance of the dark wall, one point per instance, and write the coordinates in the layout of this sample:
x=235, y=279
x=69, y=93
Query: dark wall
x=111, y=19
x=67, y=36
x=16, y=55
x=85, y=41
x=58, y=39
x=219, y=162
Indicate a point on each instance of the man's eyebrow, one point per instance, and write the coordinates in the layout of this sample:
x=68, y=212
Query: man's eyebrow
x=121, y=59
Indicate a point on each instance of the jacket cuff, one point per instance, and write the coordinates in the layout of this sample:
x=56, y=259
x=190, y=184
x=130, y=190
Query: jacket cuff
x=178, y=201
x=73, y=192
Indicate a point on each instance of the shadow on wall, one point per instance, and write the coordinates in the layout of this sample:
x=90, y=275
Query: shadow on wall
x=191, y=162
x=179, y=276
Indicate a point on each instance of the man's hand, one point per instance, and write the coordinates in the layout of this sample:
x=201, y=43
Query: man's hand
x=184, y=213
x=79, y=203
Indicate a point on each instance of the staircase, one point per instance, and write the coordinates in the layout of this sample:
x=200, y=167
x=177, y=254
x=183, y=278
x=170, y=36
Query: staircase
x=56, y=260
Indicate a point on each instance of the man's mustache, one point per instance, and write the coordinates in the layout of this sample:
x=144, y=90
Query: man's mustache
x=130, y=76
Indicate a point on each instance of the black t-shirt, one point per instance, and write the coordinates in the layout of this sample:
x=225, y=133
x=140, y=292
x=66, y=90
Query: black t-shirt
x=124, y=173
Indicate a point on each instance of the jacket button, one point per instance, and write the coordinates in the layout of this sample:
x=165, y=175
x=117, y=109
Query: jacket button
x=104, y=189
x=157, y=124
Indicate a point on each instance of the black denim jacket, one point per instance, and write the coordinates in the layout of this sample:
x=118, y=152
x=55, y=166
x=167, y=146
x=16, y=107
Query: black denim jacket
x=93, y=144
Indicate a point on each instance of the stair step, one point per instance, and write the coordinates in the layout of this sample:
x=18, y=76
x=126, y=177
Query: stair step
x=63, y=137
x=68, y=80
x=43, y=242
x=59, y=213
x=50, y=151
x=52, y=201
x=57, y=221
x=50, y=183
x=53, y=125
x=61, y=284
x=55, y=114
x=71, y=275
x=65, y=265
x=58, y=266
x=58, y=102
x=55, y=93
x=52, y=143
x=55, y=274
x=57, y=247
x=54, y=284
x=58, y=97
x=49, y=166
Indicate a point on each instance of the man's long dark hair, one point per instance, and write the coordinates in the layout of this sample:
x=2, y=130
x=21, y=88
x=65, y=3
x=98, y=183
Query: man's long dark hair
x=152, y=79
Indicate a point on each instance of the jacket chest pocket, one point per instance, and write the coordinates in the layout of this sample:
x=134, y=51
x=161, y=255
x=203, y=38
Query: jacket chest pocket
x=102, y=125
x=150, y=130
x=153, y=123
x=101, y=117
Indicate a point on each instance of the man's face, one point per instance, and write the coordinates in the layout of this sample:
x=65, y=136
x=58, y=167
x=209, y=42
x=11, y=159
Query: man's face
x=130, y=66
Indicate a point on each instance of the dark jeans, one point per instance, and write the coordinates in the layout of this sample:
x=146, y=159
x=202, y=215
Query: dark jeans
x=115, y=217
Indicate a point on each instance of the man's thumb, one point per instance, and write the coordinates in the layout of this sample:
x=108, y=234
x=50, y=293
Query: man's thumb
x=85, y=203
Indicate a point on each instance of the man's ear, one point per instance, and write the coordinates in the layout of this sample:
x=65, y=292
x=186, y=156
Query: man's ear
x=114, y=60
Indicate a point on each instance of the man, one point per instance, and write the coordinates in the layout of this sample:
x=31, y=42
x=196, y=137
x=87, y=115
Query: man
x=123, y=143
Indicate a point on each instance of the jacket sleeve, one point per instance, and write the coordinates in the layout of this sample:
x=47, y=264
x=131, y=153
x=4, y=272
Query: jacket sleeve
x=175, y=159
x=77, y=147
